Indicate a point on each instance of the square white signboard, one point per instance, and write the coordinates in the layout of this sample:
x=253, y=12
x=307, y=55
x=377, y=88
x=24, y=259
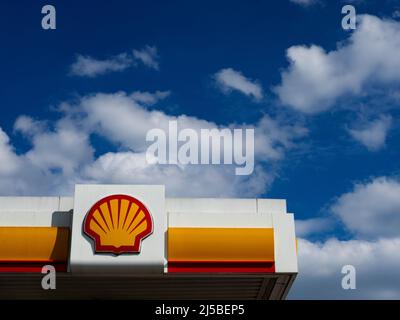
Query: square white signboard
x=118, y=229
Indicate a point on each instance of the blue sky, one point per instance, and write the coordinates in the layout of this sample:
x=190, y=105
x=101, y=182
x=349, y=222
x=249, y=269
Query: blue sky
x=350, y=126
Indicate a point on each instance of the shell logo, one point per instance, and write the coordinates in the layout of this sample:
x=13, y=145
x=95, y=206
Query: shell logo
x=118, y=224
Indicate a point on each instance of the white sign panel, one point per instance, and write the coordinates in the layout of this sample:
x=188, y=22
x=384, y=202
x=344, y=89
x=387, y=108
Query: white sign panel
x=118, y=228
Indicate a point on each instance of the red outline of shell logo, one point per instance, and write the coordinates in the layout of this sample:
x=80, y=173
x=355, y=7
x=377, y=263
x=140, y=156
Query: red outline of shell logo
x=118, y=224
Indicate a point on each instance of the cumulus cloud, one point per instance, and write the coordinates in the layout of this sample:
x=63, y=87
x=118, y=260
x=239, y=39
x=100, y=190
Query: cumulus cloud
x=148, y=56
x=25, y=174
x=8, y=159
x=203, y=180
x=304, y=3
x=229, y=79
x=28, y=126
x=373, y=133
x=87, y=66
x=305, y=228
x=316, y=79
x=149, y=98
x=377, y=269
x=65, y=148
x=371, y=210
x=272, y=137
x=62, y=153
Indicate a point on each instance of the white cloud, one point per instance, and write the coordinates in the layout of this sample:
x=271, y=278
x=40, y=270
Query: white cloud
x=8, y=159
x=29, y=126
x=396, y=14
x=62, y=154
x=148, y=56
x=371, y=210
x=304, y=3
x=86, y=66
x=305, y=228
x=121, y=119
x=65, y=148
x=272, y=137
x=377, y=269
x=229, y=79
x=19, y=176
x=148, y=98
x=372, y=134
x=372, y=213
x=205, y=181
x=315, y=79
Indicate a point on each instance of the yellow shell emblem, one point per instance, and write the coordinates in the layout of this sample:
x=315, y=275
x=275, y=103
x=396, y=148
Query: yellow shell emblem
x=118, y=224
